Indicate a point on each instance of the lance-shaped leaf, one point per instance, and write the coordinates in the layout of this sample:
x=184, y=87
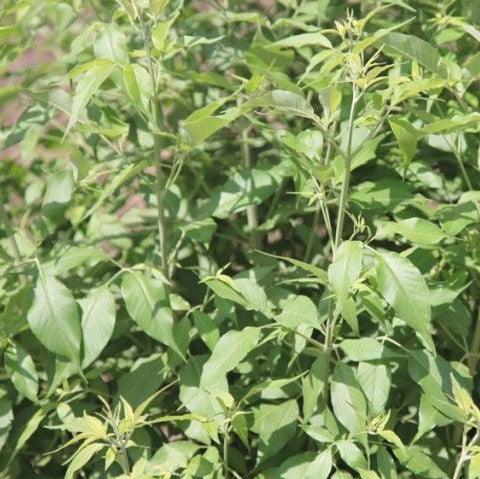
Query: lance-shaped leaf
x=415, y=230
x=275, y=424
x=407, y=137
x=345, y=269
x=416, y=49
x=54, y=317
x=231, y=348
x=148, y=304
x=81, y=457
x=97, y=72
x=21, y=370
x=98, y=320
x=404, y=288
x=348, y=401
x=314, y=39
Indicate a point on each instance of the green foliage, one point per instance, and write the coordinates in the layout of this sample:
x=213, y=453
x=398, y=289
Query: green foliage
x=240, y=239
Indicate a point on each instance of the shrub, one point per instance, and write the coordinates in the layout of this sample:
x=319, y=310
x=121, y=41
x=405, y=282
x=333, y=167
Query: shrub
x=240, y=239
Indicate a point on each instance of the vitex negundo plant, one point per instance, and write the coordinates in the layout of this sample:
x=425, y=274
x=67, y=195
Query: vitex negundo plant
x=240, y=239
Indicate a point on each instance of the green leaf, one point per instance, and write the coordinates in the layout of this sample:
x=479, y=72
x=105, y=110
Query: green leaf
x=148, y=305
x=403, y=287
x=111, y=44
x=21, y=369
x=230, y=350
x=315, y=39
x=420, y=463
x=386, y=464
x=14, y=317
x=200, y=124
x=362, y=349
x=416, y=49
x=348, y=401
x=225, y=287
x=351, y=454
x=118, y=180
x=173, y=456
x=160, y=33
x=132, y=87
x=86, y=87
x=98, y=321
x=321, y=466
x=6, y=417
x=345, y=270
x=407, y=138
x=289, y=102
x=319, y=273
x=375, y=382
x=158, y=6
x=54, y=318
x=275, y=425
x=82, y=457
x=207, y=328
x=250, y=187
x=416, y=230
x=58, y=194
x=313, y=385
x=433, y=375
x=31, y=425
x=143, y=379
x=474, y=467
x=299, y=311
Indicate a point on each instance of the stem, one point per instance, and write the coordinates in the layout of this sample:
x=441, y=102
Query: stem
x=464, y=457
x=225, y=452
x=10, y=233
x=475, y=348
x=123, y=460
x=316, y=218
x=346, y=178
x=252, y=213
x=327, y=347
x=174, y=253
x=330, y=324
x=156, y=118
